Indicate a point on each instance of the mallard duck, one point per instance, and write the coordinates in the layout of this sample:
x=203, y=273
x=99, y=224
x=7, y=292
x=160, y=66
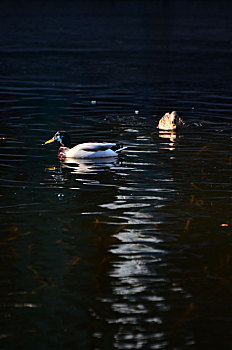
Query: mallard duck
x=84, y=150
x=170, y=121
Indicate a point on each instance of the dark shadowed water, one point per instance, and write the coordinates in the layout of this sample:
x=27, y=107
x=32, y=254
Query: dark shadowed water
x=133, y=253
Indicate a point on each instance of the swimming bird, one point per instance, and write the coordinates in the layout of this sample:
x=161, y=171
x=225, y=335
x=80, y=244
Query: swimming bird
x=170, y=121
x=88, y=150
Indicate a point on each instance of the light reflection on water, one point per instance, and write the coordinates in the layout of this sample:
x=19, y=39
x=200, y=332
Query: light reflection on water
x=127, y=244
x=132, y=245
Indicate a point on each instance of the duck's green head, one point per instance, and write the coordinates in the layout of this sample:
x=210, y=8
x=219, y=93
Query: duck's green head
x=62, y=137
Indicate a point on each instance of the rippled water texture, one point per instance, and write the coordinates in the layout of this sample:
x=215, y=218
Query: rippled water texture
x=128, y=253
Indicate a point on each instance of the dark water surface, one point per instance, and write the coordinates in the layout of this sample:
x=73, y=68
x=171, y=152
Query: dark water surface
x=133, y=253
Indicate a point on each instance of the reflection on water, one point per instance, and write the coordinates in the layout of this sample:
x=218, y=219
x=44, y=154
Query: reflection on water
x=127, y=247
x=126, y=253
x=170, y=135
x=88, y=165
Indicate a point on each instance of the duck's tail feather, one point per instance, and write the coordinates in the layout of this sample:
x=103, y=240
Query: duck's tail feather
x=120, y=149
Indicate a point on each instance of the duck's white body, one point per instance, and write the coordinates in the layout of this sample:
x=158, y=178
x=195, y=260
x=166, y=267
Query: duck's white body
x=90, y=150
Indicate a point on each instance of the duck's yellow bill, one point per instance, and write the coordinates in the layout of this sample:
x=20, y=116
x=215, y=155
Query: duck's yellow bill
x=49, y=141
